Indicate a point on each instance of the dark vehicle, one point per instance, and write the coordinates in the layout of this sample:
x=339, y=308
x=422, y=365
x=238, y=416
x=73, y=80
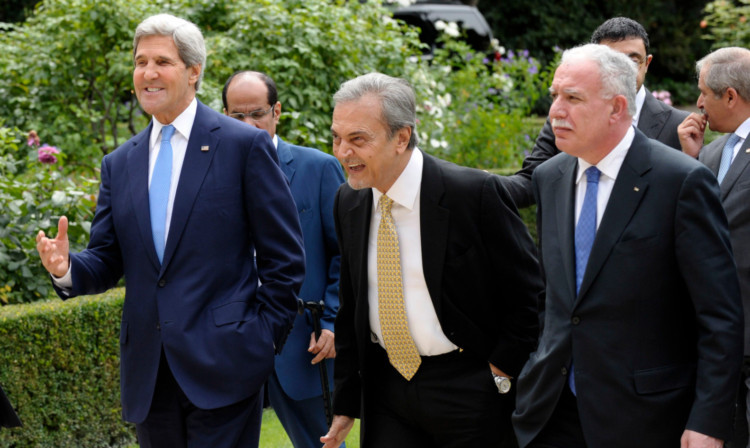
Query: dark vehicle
x=425, y=14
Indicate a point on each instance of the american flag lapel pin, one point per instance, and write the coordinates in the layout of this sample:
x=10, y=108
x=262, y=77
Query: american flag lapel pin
x=204, y=148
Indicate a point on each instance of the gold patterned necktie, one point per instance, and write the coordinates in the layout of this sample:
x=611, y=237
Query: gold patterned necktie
x=402, y=352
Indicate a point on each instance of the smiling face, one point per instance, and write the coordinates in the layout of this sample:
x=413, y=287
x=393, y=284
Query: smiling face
x=361, y=143
x=163, y=84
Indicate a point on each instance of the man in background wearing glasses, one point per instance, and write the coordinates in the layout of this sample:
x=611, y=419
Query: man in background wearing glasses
x=294, y=387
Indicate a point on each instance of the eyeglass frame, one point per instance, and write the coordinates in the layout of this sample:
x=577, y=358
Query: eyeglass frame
x=241, y=116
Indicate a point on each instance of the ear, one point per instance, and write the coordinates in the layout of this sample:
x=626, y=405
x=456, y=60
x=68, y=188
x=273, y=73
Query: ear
x=276, y=112
x=648, y=61
x=402, y=139
x=195, y=74
x=732, y=97
x=619, y=108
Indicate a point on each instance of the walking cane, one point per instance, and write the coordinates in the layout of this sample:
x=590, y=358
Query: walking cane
x=316, y=308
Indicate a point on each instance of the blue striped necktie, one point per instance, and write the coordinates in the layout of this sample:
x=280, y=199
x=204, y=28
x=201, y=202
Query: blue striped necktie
x=584, y=238
x=158, y=193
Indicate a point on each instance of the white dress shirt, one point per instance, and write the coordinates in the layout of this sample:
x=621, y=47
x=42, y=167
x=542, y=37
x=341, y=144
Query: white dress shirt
x=423, y=323
x=609, y=167
x=183, y=125
x=640, y=98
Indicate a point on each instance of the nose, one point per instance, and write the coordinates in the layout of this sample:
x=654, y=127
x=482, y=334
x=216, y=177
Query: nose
x=699, y=103
x=250, y=121
x=555, y=109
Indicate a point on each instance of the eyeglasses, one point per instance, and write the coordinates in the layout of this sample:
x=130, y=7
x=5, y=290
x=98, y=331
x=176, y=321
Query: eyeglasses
x=638, y=60
x=255, y=115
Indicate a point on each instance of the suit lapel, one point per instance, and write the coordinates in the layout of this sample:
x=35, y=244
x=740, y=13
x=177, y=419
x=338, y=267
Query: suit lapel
x=739, y=164
x=653, y=116
x=138, y=176
x=355, y=226
x=286, y=159
x=565, y=187
x=627, y=193
x=711, y=154
x=194, y=169
x=434, y=222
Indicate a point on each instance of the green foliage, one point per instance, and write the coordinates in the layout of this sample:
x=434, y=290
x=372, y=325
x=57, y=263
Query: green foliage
x=67, y=71
x=32, y=197
x=309, y=48
x=473, y=110
x=725, y=23
x=59, y=365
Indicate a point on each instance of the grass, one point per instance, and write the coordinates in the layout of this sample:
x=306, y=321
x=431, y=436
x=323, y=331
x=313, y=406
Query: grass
x=272, y=434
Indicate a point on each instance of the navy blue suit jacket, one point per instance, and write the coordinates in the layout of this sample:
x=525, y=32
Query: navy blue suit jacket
x=204, y=305
x=314, y=177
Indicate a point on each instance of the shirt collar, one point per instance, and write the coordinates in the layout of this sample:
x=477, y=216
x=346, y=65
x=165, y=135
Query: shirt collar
x=406, y=188
x=275, y=140
x=743, y=129
x=183, y=124
x=640, y=98
x=611, y=163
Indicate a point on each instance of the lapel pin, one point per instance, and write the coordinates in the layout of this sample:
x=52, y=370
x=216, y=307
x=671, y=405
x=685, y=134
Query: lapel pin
x=636, y=189
x=204, y=148
x=747, y=151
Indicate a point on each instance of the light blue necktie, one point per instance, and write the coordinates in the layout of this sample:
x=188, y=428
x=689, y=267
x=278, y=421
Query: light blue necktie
x=584, y=238
x=158, y=193
x=726, y=156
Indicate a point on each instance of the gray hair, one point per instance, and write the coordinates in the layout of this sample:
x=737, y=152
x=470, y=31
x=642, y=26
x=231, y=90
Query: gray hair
x=397, y=99
x=725, y=68
x=616, y=71
x=186, y=36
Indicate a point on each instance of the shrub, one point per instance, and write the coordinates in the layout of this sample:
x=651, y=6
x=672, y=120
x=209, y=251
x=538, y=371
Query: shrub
x=725, y=23
x=33, y=195
x=59, y=365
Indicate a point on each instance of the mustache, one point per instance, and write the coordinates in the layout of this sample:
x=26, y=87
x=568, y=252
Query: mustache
x=560, y=123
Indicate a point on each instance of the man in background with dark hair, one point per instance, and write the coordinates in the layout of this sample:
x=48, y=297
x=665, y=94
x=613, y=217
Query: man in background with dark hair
x=654, y=118
x=294, y=388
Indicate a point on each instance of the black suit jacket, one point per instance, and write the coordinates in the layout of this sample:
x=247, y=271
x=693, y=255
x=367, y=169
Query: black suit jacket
x=8, y=416
x=657, y=120
x=734, y=196
x=656, y=329
x=479, y=264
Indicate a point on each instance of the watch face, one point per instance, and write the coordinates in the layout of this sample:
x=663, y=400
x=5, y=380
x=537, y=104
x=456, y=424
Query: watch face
x=504, y=386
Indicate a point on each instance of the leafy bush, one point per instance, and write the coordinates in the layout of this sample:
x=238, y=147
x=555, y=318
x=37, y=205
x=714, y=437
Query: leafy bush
x=59, y=365
x=32, y=197
x=473, y=109
x=725, y=23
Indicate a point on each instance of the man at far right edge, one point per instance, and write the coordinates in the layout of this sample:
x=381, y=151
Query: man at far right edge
x=724, y=84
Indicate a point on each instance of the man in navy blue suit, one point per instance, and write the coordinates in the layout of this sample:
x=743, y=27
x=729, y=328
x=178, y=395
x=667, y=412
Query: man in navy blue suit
x=295, y=387
x=182, y=208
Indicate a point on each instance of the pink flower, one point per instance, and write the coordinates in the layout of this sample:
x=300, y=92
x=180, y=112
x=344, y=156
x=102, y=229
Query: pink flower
x=33, y=139
x=46, y=154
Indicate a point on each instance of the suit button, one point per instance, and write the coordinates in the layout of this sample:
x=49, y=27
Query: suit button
x=162, y=283
x=564, y=371
x=576, y=320
x=158, y=327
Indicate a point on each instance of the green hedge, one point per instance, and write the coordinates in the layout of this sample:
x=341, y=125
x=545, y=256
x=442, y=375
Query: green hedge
x=59, y=365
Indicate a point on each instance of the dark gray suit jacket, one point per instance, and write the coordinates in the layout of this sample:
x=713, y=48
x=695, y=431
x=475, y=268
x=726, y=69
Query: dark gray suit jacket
x=656, y=329
x=735, y=190
x=657, y=120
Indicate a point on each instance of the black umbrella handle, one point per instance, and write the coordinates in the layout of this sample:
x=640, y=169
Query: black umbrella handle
x=316, y=309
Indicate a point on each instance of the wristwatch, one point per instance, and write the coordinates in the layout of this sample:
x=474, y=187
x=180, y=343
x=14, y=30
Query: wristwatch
x=502, y=383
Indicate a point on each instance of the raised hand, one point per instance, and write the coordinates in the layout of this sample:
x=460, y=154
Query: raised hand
x=55, y=252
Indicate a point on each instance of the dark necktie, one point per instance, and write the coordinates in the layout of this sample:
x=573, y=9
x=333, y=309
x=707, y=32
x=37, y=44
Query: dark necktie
x=584, y=238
